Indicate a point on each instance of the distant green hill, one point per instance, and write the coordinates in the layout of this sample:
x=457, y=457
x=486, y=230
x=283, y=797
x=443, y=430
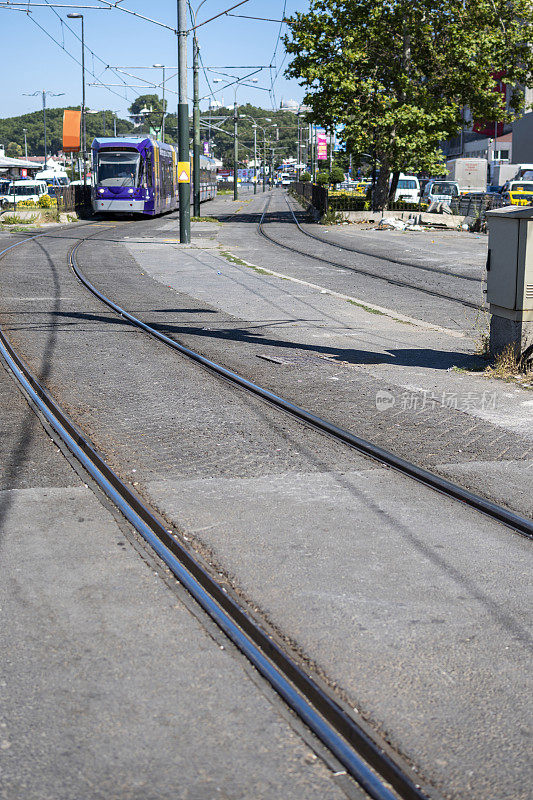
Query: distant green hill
x=12, y=130
x=283, y=139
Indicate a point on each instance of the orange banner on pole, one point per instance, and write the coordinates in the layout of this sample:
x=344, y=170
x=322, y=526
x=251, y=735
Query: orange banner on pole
x=71, y=131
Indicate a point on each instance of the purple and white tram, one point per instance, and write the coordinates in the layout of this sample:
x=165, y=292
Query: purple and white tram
x=138, y=175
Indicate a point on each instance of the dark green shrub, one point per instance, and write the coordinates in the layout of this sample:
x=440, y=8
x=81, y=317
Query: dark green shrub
x=336, y=175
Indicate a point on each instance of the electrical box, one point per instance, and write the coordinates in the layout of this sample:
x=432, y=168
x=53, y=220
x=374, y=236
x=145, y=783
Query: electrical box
x=510, y=263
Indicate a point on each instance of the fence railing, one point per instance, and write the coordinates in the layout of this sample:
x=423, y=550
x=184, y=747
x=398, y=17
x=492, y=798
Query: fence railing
x=324, y=201
x=74, y=198
x=317, y=196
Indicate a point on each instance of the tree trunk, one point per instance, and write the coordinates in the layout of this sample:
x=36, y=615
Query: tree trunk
x=381, y=195
x=394, y=185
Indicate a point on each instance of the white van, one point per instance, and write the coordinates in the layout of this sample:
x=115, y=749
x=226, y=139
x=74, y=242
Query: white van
x=52, y=177
x=26, y=190
x=408, y=189
x=5, y=183
x=442, y=191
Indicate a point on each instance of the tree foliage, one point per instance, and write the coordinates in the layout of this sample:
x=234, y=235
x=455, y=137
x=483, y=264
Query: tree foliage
x=153, y=117
x=283, y=139
x=398, y=73
x=336, y=175
x=13, y=150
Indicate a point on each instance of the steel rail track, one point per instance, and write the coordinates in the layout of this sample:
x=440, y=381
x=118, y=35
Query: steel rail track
x=400, y=261
x=359, y=270
x=363, y=759
x=335, y=728
x=430, y=479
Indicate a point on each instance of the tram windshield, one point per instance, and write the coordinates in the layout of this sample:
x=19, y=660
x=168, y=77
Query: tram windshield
x=118, y=169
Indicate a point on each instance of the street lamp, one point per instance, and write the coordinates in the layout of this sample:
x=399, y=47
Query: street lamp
x=236, y=139
x=83, y=131
x=161, y=66
x=25, y=145
x=44, y=93
x=255, y=126
x=195, y=114
x=266, y=119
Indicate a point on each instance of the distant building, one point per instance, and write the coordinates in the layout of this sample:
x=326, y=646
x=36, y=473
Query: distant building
x=499, y=143
x=17, y=168
x=523, y=140
x=290, y=105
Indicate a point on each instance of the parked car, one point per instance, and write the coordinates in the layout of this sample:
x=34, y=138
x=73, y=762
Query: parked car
x=25, y=190
x=518, y=193
x=443, y=191
x=285, y=179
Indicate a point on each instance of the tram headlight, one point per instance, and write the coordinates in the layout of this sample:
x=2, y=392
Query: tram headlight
x=101, y=191
x=130, y=191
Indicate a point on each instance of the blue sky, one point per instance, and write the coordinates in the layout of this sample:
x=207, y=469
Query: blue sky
x=121, y=40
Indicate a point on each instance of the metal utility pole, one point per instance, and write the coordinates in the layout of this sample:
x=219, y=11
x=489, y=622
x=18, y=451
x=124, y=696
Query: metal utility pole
x=83, y=129
x=313, y=152
x=103, y=115
x=196, y=127
x=43, y=93
x=184, y=188
x=114, y=125
x=235, y=150
x=161, y=66
x=255, y=159
x=25, y=145
x=44, y=123
x=264, y=161
x=298, y=153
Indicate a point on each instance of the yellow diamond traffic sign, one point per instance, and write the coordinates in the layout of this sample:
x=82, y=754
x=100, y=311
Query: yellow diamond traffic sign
x=184, y=172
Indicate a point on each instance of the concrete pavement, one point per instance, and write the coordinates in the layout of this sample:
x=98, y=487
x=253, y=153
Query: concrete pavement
x=410, y=605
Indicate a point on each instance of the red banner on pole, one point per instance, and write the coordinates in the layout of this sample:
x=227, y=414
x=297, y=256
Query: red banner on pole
x=71, y=131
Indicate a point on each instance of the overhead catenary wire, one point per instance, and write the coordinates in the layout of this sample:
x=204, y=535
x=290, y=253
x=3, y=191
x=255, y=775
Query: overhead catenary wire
x=78, y=37
x=100, y=83
x=273, y=59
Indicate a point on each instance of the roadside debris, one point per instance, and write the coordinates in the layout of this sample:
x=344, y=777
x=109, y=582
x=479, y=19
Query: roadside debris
x=393, y=223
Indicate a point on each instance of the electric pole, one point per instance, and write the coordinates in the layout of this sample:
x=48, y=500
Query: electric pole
x=255, y=159
x=184, y=188
x=196, y=128
x=235, y=149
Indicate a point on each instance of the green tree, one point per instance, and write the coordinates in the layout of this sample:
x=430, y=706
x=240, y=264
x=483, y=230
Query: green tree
x=322, y=178
x=153, y=117
x=397, y=74
x=13, y=150
x=336, y=175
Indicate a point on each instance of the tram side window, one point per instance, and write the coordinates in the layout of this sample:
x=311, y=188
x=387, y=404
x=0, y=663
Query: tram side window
x=166, y=177
x=148, y=167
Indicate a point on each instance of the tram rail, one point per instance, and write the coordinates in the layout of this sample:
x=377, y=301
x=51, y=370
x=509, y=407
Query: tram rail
x=373, y=768
x=359, y=270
